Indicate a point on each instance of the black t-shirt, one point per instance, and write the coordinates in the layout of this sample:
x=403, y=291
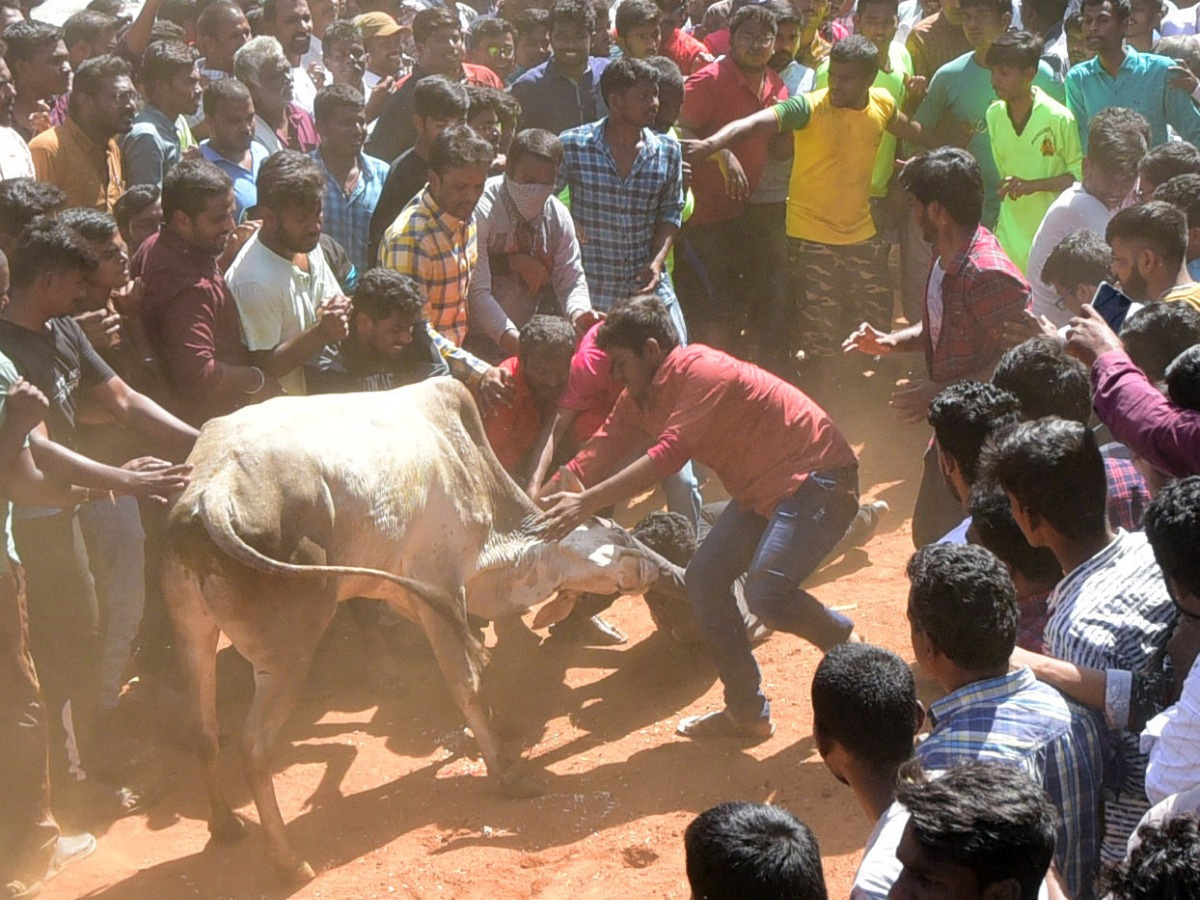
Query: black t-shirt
x=406, y=178
x=340, y=369
x=61, y=363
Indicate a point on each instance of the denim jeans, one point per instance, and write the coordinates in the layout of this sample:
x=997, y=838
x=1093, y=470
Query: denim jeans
x=776, y=555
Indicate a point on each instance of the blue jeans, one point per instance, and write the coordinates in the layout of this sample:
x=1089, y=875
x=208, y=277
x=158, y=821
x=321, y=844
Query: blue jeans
x=776, y=555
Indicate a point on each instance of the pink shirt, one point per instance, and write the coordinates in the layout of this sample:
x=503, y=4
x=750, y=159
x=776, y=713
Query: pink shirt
x=591, y=390
x=760, y=436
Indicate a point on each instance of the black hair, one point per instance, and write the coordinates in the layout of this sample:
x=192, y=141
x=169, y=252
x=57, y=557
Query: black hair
x=164, y=60
x=753, y=15
x=1157, y=333
x=1082, y=257
x=340, y=31
x=1183, y=379
x=1182, y=192
x=784, y=12
x=865, y=698
x=27, y=39
x=1120, y=7
x=963, y=599
x=87, y=25
x=547, y=335
x=1164, y=162
x=484, y=97
x=1046, y=380
x=634, y=320
x=1053, y=469
x=1118, y=138
x=1015, y=49
x=668, y=534
x=949, y=177
x=857, y=51
x=1172, y=526
x=48, y=245
x=93, y=74
x=24, y=199
x=963, y=414
x=93, y=225
x=224, y=90
x=427, y=21
x=162, y=30
x=538, y=143
x=437, y=97
x=995, y=529
x=289, y=179
x=1164, y=866
x=529, y=21
x=579, y=13
x=893, y=6
x=460, y=147
x=989, y=817
x=190, y=185
x=632, y=13
x=624, y=73
x=669, y=76
x=1000, y=7
x=108, y=7
x=134, y=201
x=741, y=850
x=178, y=11
x=337, y=98
x=488, y=27
x=1155, y=225
x=210, y=16
x=382, y=293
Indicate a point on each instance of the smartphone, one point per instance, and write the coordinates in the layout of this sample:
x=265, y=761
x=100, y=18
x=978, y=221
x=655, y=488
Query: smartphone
x=1112, y=305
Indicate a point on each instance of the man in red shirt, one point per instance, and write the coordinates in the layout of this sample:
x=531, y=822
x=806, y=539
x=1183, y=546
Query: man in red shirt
x=738, y=85
x=189, y=318
x=677, y=45
x=792, y=477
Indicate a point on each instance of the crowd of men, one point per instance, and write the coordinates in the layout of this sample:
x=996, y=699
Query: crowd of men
x=654, y=241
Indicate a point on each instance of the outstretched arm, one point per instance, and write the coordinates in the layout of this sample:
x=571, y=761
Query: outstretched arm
x=765, y=122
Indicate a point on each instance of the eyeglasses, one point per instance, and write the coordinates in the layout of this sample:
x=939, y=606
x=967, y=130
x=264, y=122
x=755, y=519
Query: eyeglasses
x=502, y=52
x=1061, y=302
x=755, y=40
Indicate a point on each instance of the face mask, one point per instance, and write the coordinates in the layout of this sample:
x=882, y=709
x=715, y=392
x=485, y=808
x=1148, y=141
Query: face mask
x=529, y=199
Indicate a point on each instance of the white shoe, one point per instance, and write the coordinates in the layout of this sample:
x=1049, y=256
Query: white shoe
x=70, y=849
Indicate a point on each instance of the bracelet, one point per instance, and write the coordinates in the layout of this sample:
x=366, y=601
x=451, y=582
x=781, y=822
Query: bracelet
x=91, y=495
x=262, y=380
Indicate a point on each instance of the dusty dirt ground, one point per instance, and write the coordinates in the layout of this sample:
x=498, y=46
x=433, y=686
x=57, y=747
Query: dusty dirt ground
x=384, y=795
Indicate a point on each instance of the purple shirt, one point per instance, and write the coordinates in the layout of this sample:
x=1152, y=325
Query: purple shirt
x=1143, y=419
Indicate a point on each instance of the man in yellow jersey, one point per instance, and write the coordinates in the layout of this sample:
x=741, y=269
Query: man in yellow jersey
x=836, y=254
x=1034, y=139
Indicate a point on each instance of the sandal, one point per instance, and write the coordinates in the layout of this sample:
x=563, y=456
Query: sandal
x=722, y=725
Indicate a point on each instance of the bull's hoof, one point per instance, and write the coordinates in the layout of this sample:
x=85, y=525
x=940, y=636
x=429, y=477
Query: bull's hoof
x=227, y=828
x=519, y=786
x=296, y=872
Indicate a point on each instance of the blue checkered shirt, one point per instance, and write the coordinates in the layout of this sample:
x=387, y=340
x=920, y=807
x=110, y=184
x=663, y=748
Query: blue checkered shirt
x=1015, y=718
x=348, y=216
x=614, y=218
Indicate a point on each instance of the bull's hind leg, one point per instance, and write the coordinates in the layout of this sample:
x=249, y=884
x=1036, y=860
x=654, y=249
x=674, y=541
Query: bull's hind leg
x=450, y=649
x=281, y=651
x=196, y=634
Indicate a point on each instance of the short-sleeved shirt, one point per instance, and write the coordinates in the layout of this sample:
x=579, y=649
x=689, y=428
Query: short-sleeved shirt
x=245, y=181
x=1142, y=84
x=15, y=161
x=1069, y=212
x=406, y=178
x=713, y=97
x=61, y=363
x=894, y=82
x=277, y=300
x=1185, y=293
x=88, y=175
x=298, y=133
x=348, y=215
x=8, y=376
x=961, y=92
x=591, y=390
x=683, y=50
x=344, y=368
x=513, y=430
x=834, y=156
x=615, y=217
x=933, y=42
x=1046, y=147
x=151, y=148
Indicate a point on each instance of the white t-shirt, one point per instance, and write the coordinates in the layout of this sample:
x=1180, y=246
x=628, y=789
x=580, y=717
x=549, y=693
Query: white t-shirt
x=879, y=868
x=15, y=161
x=1073, y=210
x=277, y=301
x=933, y=301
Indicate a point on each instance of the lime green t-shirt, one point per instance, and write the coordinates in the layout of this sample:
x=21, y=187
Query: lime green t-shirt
x=8, y=374
x=1047, y=146
x=901, y=65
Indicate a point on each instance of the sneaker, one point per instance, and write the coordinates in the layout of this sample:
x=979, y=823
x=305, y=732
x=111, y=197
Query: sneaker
x=591, y=632
x=722, y=725
x=70, y=849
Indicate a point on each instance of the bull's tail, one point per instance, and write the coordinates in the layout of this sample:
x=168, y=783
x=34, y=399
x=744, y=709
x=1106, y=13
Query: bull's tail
x=218, y=523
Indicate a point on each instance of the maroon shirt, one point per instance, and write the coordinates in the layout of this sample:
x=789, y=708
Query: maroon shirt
x=192, y=324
